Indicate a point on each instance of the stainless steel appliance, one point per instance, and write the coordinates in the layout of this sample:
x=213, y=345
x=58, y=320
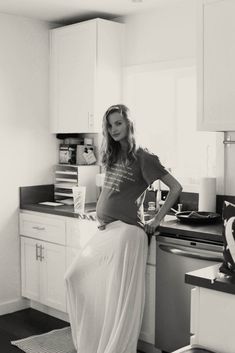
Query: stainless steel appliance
x=175, y=257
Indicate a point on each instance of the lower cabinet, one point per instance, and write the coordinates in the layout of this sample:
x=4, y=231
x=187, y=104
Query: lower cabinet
x=212, y=318
x=49, y=244
x=43, y=267
x=147, y=333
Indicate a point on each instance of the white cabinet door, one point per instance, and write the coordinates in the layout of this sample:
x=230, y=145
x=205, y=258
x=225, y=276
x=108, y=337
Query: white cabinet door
x=147, y=333
x=216, y=81
x=213, y=319
x=52, y=276
x=42, y=270
x=85, y=74
x=30, y=268
x=73, y=64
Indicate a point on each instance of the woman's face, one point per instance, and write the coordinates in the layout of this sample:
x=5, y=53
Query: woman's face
x=117, y=126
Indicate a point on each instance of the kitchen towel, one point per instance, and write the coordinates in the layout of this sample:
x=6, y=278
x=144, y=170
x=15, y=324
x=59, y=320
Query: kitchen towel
x=207, y=194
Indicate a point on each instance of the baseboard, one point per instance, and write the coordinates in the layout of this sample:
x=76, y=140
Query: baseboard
x=50, y=311
x=13, y=305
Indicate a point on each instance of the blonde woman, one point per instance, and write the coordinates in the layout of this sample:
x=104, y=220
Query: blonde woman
x=106, y=282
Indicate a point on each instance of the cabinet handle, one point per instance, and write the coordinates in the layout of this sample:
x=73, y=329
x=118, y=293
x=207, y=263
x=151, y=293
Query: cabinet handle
x=90, y=120
x=38, y=228
x=37, y=255
x=41, y=254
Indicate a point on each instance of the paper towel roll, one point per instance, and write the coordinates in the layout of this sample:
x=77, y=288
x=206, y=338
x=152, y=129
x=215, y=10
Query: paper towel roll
x=99, y=180
x=207, y=195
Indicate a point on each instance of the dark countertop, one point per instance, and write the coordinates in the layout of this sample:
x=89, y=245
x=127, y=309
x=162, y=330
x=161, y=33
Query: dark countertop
x=30, y=196
x=211, y=232
x=173, y=227
x=211, y=278
x=65, y=210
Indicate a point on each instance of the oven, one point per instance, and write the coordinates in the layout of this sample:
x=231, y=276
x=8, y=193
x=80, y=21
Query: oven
x=175, y=257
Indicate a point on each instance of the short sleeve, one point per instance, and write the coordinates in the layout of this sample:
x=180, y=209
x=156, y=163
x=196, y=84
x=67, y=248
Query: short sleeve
x=151, y=167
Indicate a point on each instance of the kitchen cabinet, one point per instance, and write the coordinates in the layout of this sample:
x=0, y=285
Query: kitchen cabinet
x=216, y=70
x=78, y=235
x=49, y=244
x=85, y=74
x=147, y=332
x=43, y=259
x=213, y=319
x=42, y=269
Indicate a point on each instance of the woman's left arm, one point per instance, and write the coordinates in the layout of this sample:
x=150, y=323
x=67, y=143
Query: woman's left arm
x=174, y=191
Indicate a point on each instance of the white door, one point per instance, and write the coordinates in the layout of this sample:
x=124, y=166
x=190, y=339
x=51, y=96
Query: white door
x=73, y=64
x=52, y=276
x=30, y=268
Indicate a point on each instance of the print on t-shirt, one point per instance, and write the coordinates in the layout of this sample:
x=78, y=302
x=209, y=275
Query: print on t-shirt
x=116, y=175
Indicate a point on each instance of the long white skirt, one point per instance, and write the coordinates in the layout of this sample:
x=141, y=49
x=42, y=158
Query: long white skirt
x=106, y=290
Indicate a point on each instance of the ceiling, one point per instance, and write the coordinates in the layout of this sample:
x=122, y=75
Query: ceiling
x=70, y=11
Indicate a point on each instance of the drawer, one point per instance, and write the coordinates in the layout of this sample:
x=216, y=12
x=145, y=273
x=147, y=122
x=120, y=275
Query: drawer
x=79, y=232
x=42, y=227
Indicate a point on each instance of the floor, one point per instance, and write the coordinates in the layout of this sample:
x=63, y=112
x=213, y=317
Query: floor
x=25, y=323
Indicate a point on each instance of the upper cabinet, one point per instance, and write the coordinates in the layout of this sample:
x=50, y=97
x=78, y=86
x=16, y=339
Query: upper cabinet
x=216, y=65
x=85, y=74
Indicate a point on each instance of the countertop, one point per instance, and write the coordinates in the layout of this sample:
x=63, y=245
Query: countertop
x=170, y=225
x=65, y=210
x=30, y=196
x=211, y=278
x=211, y=232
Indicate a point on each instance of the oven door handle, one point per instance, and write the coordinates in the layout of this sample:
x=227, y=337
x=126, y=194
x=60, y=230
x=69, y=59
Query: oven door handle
x=217, y=257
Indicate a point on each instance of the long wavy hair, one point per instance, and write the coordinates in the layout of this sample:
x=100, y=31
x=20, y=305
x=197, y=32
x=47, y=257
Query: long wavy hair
x=111, y=149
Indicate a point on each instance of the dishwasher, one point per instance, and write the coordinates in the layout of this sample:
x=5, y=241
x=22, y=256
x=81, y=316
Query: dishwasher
x=174, y=257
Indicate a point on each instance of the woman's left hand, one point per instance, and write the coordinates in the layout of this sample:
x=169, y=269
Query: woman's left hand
x=151, y=226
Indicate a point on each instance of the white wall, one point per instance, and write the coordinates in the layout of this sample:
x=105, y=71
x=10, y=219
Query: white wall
x=27, y=149
x=164, y=34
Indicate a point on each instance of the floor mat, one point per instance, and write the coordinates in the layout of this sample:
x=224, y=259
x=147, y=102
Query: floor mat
x=56, y=341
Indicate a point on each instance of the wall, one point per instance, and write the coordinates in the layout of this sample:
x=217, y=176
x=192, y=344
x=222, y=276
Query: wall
x=27, y=150
x=167, y=33
x=168, y=36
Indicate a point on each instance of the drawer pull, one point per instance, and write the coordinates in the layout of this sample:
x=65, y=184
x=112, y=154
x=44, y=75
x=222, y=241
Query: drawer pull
x=39, y=228
x=37, y=253
x=41, y=254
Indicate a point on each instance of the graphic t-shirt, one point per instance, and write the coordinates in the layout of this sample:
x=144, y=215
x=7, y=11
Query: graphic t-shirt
x=124, y=189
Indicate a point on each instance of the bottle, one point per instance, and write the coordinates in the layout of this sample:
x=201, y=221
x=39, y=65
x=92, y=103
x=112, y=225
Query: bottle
x=158, y=196
x=151, y=209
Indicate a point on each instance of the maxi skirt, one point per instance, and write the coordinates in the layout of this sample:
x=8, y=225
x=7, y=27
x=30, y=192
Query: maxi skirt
x=106, y=290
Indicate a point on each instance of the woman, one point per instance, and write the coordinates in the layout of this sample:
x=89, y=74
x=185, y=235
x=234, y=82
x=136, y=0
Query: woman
x=106, y=282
